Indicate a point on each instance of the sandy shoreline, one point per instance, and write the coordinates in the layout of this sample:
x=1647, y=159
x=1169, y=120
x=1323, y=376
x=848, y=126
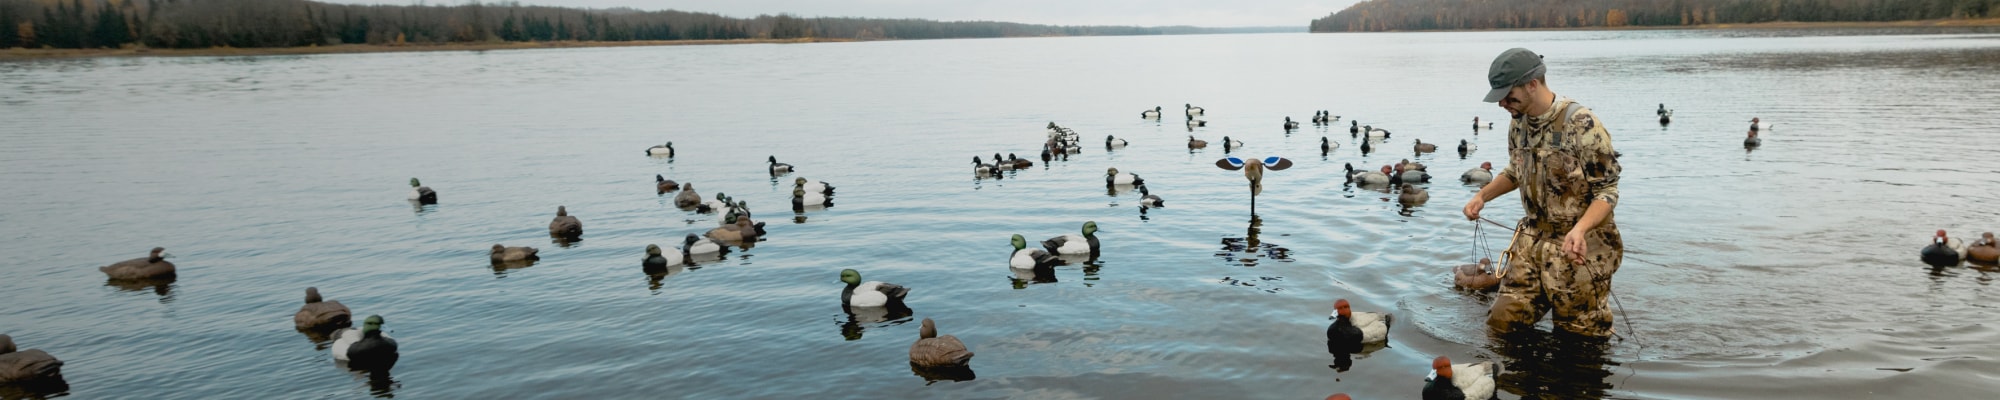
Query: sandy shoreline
x=18, y=54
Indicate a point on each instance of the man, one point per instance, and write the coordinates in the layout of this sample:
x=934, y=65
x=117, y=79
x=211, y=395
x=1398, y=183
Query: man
x=1566, y=246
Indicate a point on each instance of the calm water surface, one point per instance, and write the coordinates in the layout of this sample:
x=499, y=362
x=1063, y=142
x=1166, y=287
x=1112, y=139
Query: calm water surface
x=1785, y=272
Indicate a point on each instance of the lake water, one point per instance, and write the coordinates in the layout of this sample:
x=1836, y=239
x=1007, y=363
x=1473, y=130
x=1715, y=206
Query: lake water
x=1790, y=271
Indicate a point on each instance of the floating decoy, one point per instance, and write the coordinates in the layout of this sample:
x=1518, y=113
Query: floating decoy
x=1112, y=142
x=1478, y=277
x=1465, y=146
x=1944, y=251
x=1413, y=195
x=26, y=366
x=933, y=351
x=1192, y=123
x=1150, y=114
x=696, y=245
x=502, y=254
x=565, y=225
x=152, y=266
x=778, y=168
x=1352, y=330
x=657, y=261
x=1407, y=165
x=736, y=229
x=1075, y=244
x=665, y=150
x=1422, y=147
x=422, y=194
x=802, y=199
x=1984, y=250
x=1018, y=162
x=319, y=314
x=1289, y=125
x=1449, y=381
x=1327, y=146
x=688, y=198
x=1752, y=140
x=1374, y=133
x=1353, y=127
x=1030, y=259
x=1229, y=145
x=1481, y=175
x=1253, y=170
x=1194, y=111
x=1149, y=200
x=365, y=348
x=813, y=186
x=1405, y=175
x=1758, y=125
x=1372, y=177
x=870, y=293
x=982, y=168
x=1113, y=177
x=1196, y=143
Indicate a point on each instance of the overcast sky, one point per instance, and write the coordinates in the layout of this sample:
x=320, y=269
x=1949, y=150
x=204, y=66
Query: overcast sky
x=1211, y=13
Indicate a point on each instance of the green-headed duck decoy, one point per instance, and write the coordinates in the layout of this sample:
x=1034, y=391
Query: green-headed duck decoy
x=366, y=347
x=870, y=293
x=422, y=194
x=1075, y=244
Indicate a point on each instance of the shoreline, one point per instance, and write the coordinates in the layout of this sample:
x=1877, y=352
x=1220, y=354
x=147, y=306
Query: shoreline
x=1927, y=23
x=20, y=54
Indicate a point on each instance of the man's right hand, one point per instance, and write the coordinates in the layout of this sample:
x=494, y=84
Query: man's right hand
x=1472, y=207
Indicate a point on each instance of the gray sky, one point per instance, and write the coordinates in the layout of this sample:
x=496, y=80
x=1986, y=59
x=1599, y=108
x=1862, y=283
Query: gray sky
x=1212, y=13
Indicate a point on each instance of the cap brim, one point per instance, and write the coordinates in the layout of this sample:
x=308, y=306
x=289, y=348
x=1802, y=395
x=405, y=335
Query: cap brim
x=1497, y=94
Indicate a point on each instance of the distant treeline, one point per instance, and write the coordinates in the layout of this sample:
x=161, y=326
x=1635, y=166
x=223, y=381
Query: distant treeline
x=1395, y=15
x=285, y=23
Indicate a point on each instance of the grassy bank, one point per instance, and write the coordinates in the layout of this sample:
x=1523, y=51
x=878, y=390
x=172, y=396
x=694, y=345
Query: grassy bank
x=18, y=54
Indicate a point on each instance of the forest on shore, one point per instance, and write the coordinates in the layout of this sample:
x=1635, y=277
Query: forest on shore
x=187, y=24
x=1411, y=15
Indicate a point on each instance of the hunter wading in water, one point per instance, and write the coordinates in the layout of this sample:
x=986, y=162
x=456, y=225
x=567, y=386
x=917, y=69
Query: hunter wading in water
x=1567, y=245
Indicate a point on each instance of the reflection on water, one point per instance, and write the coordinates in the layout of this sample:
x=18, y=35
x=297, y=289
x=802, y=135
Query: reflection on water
x=501, y=268
x=859, y=319
x=1557, y=365
x=935, y=374
x=1248, y=250
x=161, y=287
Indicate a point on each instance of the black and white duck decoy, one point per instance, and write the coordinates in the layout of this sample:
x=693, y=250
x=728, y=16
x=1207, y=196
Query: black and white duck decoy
x=1150, y=114
x=982, y=168
x=1113, y=177
x=1752, y=140
x=366, y=347
x=778, y=168
x=665, y=150
x=1327, y=146
x=1289, y=124
x=1149, y=200
x=1466, y=147
x=822, y=187
x=1229, y=145
x=1113, y=142
x=870, y=293
x=657, y=261
x=422, y=194
x=1193, y=111
x=1075, y=244
x=1036, y=259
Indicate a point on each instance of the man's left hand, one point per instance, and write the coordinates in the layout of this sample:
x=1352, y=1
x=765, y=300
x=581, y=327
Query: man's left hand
x=1574, y=245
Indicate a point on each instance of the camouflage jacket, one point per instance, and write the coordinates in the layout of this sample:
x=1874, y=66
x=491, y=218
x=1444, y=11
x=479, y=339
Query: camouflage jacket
x=1561, y=161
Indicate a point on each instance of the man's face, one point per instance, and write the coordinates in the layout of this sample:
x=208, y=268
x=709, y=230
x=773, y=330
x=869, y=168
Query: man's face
x=1516, y=101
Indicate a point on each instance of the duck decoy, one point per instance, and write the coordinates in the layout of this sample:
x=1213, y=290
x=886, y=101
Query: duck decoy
x=1351, y=330
x=1025, y=258
x=1150, y=114
x=1405, y=175
x=1479, y=175
x=1371, y=177
x=803, y=200
x=1422, y=147
x=694, y=245
x=1113, y=142
x=1944, y=251
x=1354, y=128
x=1253, y=170
x=1476, y=277
x=564, y=225
x=1984, y=250
x=152, y=266
x=778, y=168
x=870, y=293
x=422, y=195
x=736, y=229
x=933, y=351
x=688, y=197
x=1194, y=123
x=665, y=150
x=1113, y=177
x=26, y=366
x=1149, y=200
x=982, y=168
x=1752, y=140
x=657, y=261
x=1375, y=133
x=1075, y=244
x=1413, y=195
x=1195, y=111
x=1758, y=125
x=1196, y=143
x=1327, y=146
x=1407, y=165
x=1289, y=124
x=664, y=185
x=1018, y=162
x=823, y=188
x=1465, y=146
x=501, y=254
x=1229, y=145
x=365, y=348
x=1449, y=381
x=319, y=314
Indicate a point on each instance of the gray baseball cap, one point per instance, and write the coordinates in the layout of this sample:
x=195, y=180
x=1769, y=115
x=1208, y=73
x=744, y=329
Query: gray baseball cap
x=1511, y=69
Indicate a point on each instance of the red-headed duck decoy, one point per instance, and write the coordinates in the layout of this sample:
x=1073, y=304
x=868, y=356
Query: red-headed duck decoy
x=1449, y=381
x=1352, y=330
x=1944, y=251
x=1479, y=175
